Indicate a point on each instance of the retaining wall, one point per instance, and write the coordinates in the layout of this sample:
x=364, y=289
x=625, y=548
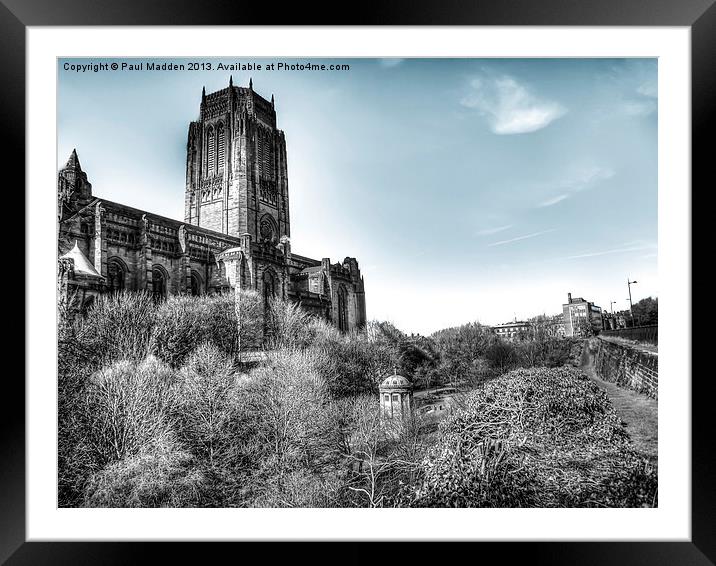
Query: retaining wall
x=625, y=365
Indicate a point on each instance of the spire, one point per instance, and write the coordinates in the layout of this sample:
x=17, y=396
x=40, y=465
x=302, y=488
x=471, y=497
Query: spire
x=73, y=162
x=272, y=101
x=251, y=83
x=231, y=81
x=203, y=93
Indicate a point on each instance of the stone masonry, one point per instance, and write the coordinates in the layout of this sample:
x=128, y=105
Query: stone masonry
x=626, y=365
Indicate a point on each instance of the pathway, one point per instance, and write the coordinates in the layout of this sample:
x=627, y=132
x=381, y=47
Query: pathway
x=638, y=411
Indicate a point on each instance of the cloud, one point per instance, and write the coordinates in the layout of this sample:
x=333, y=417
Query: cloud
x=509, y=106
x=621, y=250
x=388, y=63
x=552, y=201
x=638, y=107
x=491, y=231
x=648, y=88
x=578, y=180
x=586, y=177
x=645, y=103
x=519, y=238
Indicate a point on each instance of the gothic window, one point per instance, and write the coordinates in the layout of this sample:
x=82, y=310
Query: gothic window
x=265, y=155
x=211, y=150
x=159, y=283
x=261, y=151
x=116, y=274
x=220, y=148
x=342, y=309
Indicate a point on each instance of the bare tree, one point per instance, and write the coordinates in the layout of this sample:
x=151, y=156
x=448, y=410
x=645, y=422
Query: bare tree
x=381, y=451
x=204, y=407
x=247, y=308
x=287, y=324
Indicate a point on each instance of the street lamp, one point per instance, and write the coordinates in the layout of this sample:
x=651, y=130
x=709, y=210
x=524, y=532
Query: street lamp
x=631, y=307
x=611, y=305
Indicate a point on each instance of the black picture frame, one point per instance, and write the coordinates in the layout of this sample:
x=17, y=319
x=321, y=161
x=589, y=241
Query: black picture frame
x=16, y=15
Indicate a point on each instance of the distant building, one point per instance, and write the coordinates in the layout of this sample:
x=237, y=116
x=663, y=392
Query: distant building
x=519, y=329
x=581, y=317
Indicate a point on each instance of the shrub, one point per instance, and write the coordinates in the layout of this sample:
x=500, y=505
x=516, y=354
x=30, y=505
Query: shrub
x=301, y=488
x=287, y=325
x=286, y=396
x=353, y=364
x=539, y=437
x=118, y=326
x=184, y=322
x=127, y=406
x=205, y=414
x=381, y=454
x=286, y=409
x=161, y=474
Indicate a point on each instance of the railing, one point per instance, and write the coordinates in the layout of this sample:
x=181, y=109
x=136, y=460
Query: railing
x=638, y=333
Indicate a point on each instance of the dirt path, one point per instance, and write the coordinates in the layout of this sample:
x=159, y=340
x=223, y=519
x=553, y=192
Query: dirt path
x=638, y=411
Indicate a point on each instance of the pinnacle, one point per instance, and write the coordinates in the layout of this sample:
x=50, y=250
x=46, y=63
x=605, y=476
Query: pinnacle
x=73, y=162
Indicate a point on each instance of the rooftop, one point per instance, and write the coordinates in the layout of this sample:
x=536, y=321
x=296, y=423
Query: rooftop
x=395, y=381
x=81, y=264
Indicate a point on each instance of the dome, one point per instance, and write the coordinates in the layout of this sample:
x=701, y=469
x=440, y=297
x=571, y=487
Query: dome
x=395, y=381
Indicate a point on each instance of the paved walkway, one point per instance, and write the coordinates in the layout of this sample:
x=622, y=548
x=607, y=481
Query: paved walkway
x=638, y=411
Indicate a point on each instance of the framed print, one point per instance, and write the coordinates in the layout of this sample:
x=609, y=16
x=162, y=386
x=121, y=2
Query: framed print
x=359, y=281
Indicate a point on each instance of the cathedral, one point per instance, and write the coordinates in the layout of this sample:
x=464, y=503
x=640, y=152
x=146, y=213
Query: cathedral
x=236, y=229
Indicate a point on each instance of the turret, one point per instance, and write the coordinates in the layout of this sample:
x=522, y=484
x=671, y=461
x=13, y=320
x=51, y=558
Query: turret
x=73, y=189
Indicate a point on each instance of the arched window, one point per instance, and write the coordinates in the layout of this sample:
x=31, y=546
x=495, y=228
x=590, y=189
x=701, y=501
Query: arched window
x=116, y=274
x=210, y=150
x=196, y=286
x=159, y=283
x=261, y=146
x=342, y=309
x=220, y=147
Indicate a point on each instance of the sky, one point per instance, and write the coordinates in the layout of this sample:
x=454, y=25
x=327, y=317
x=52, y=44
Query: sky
x=468, y=189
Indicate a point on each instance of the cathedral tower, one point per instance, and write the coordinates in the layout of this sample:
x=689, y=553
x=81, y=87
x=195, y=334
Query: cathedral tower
x=236, y=173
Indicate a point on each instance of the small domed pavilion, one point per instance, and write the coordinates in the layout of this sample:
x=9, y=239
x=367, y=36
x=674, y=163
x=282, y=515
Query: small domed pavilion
x=396, y=396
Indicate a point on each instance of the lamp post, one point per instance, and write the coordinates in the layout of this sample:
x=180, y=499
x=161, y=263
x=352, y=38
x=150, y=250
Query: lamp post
x=631, y=307
x=611, y=306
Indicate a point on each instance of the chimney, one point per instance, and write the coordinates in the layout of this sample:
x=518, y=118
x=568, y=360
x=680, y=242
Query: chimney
x=569, y=297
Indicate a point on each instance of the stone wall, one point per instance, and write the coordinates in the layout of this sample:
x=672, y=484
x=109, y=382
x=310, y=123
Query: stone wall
x=626, y=365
